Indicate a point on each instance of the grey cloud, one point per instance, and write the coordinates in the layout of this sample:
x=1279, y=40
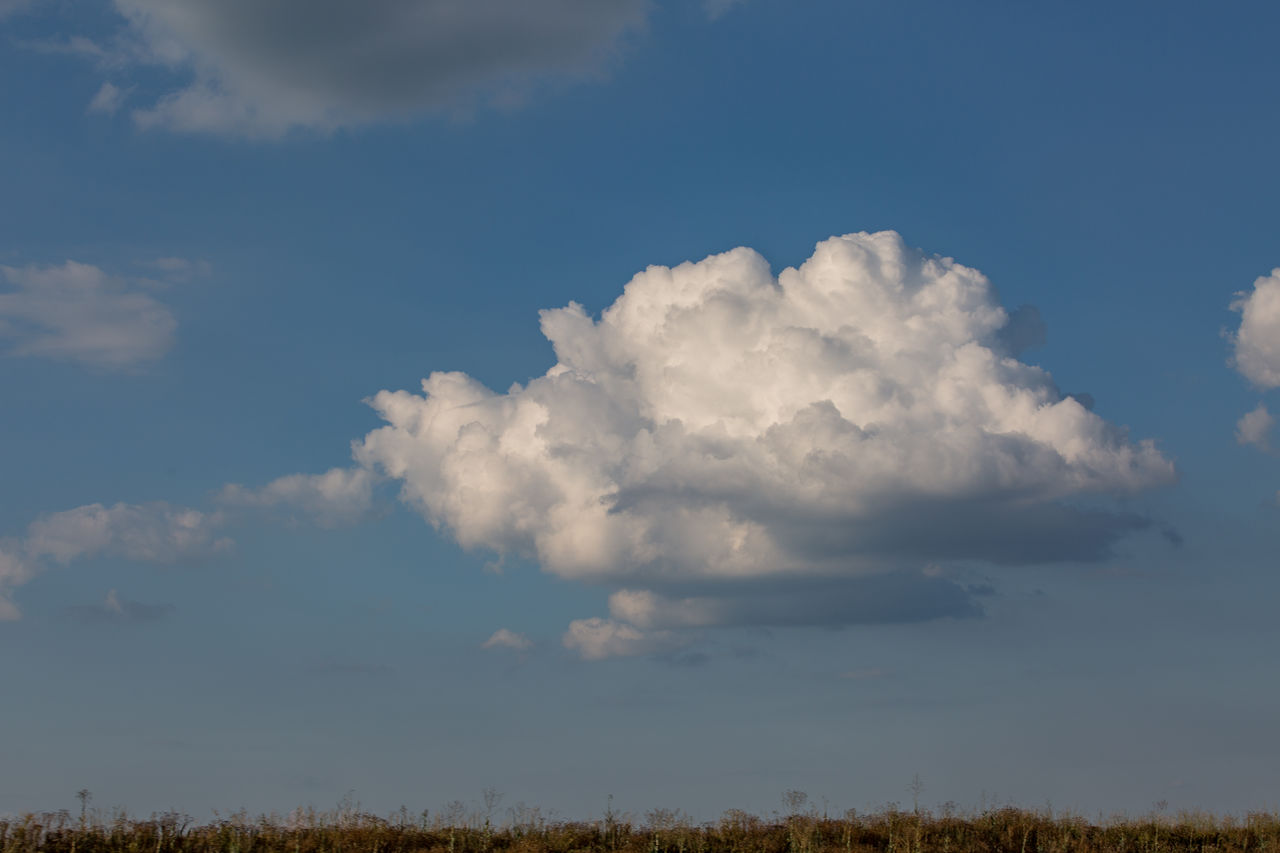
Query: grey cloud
x=1001, y=532
x=998, y=529
x=663, y=626
x=892, y=597
x=263, y=67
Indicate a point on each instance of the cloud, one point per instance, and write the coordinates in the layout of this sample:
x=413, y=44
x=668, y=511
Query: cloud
x=846, y=422
x=1255, y=428
x=717, y=8
x=179, y=269
x=896, y=596
x=340, y=495
x=14, y=571
x=10, y=7
x=114, y=609
x=1257, y=342
x=261, y=69
x=598, y=639
x=76, y=312
x=505, y=639
x=107, y=100
x=154, y=533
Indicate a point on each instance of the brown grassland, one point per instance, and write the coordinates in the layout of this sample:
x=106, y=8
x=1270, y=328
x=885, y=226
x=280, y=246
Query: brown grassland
x=525, y=830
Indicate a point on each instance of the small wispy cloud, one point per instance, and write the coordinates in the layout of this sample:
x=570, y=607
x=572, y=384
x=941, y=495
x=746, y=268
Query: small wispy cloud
x=108, y=99
x=77, y=312
x=338, y=496
x=1254, y=429
x=10, y=7
x=507, y=639
x=717, y=8
x=154, y=533
x=598, y=639
x=179, y=270
x=117, y=610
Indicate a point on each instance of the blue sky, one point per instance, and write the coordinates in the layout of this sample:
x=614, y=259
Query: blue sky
x=1025, y=554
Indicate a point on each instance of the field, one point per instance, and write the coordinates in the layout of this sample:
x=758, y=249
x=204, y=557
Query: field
x=525, y=830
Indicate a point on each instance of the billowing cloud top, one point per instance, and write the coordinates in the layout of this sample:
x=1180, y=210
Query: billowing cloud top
x=722, y=428
x=263, y=67
x=1257, y=343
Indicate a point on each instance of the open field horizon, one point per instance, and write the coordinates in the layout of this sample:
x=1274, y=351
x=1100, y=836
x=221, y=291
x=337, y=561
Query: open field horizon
x=796, y=828
x=682, y=400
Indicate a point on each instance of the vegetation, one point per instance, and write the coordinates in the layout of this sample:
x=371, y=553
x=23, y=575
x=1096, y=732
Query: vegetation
x=525, y=830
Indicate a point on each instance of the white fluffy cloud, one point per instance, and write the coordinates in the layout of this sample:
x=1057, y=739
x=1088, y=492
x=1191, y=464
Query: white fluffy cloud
x=77, y=312
x=155, y=533
x=336, y=496
x=1257, y=343
x=265, y=67
x=723, y=434
x=1255, y=428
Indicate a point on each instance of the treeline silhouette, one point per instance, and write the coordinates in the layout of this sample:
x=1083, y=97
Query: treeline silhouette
x=525, y=830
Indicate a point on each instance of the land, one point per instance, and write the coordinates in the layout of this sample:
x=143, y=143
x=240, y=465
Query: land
x=525, y=830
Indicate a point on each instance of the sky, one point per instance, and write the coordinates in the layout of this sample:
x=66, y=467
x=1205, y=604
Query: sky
x=681, y=401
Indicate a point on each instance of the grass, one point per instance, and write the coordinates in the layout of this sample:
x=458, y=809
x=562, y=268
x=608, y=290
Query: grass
x=892, y=830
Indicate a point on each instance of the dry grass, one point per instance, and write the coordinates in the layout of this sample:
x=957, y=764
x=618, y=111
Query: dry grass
x=525, y=830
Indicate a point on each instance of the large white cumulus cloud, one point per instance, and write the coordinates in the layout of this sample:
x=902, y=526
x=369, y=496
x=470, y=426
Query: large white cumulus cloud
x=1257, y=343
x=857, y=416
x=712, y=406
